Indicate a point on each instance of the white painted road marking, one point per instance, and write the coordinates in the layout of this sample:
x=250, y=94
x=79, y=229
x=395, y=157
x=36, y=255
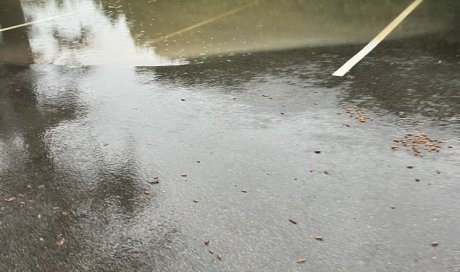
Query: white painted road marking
x=372, y=44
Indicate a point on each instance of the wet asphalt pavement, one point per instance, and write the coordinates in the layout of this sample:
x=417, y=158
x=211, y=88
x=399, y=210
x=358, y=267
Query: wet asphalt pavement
x=262, y=153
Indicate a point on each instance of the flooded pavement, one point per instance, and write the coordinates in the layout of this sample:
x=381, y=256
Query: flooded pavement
x=167, y=33
x=123, y=150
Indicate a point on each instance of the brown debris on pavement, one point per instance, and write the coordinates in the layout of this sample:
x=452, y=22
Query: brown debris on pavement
x=357, y=113
x=417, y=143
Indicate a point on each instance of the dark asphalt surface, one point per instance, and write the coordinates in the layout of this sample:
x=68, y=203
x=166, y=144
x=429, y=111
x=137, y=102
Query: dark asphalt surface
x=233, y=140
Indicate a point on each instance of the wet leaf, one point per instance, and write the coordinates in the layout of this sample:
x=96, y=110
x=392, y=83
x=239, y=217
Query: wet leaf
x=60, y=242
x=319, y=238
x=206, y=242
x=10, y=199
x=293, y=221
x=300, y=260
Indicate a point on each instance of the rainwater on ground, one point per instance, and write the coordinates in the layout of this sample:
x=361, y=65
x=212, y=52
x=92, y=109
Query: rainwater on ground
x=210, y=136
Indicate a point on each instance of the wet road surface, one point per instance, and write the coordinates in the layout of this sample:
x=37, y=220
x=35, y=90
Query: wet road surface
x=117, y=154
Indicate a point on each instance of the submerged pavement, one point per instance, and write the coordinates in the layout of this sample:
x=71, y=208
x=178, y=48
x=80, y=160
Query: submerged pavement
x=245, y=161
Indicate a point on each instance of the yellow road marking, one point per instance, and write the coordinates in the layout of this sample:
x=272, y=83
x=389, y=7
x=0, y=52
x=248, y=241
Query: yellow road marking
x=372, y=44
x=192, y=27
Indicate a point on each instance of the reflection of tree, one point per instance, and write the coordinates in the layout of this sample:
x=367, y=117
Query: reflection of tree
x=14, y=44
x=26, y=121
x=92, y=213
x=78, y=41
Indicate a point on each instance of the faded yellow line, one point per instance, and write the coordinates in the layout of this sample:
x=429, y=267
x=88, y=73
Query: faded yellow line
x=213, y=19
x=35, y=22
x=372, y=44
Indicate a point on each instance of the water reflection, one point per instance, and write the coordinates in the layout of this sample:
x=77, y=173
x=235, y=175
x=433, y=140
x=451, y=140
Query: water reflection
x=268, y=25
x=78, y=131
x=162, y=33
x=14, y=45
x=422, y=82
x=395, y=81
x=83, y=36
x=90, y=199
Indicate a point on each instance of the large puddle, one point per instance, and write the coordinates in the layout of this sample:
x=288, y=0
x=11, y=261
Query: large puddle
x=109, y=166
x=160, y=32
